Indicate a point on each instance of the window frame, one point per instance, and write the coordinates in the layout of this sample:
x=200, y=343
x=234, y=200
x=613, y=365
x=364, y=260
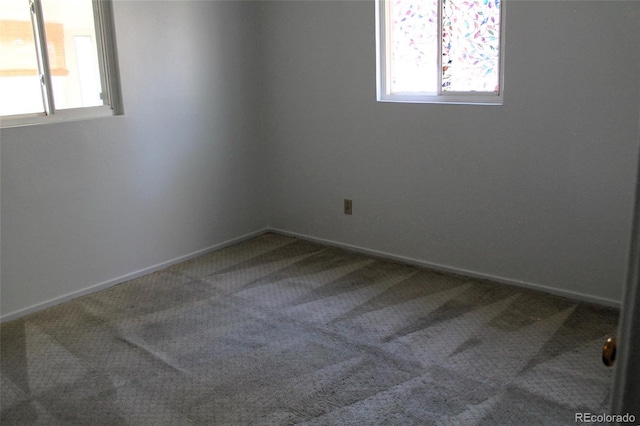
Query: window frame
x=107, y=61
x=383, y=74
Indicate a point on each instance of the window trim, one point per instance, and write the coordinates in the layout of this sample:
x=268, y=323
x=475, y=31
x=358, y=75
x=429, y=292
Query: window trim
x=108, y=63
x=383, y=74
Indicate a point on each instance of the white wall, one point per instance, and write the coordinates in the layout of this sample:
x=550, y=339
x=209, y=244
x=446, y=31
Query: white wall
x=537, y=192
x=87, y=203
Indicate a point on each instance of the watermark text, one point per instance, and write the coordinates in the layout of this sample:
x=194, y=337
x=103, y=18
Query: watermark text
x=604, y=418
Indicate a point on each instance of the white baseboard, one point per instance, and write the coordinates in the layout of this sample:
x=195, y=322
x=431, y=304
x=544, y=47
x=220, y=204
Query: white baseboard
x=133, y=275
x=421, y=263
x=582, y=297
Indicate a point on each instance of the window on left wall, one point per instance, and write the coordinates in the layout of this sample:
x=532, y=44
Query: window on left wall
x=57, y=61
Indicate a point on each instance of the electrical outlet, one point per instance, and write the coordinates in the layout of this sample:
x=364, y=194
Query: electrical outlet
x=348, y=206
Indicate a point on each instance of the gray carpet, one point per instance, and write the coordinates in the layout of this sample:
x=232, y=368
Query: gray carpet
x=278, y=331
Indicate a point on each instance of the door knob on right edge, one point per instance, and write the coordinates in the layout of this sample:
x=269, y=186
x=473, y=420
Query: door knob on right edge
x=609, y=352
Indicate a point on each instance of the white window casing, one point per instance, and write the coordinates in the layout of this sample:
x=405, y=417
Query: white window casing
x=384, y=70
x=107, y=61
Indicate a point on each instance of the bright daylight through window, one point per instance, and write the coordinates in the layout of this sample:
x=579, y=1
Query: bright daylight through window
x=437, y=51
x=57, y=61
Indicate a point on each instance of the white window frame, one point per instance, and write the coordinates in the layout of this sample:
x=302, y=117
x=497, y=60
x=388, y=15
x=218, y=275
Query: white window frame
x=108, y=62
x=383, y=72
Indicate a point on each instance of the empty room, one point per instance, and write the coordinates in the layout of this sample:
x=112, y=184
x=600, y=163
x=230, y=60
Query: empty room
x=347, y=212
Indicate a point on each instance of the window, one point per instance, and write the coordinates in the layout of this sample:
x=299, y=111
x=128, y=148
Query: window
x=440, y=51
x=57, y=61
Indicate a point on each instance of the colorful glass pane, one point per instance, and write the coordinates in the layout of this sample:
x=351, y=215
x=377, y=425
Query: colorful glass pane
x=413, y=45
x=470, y=45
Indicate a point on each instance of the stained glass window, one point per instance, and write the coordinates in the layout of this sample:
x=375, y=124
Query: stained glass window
x=439, y=47
x=414, y=45
x=470, y=45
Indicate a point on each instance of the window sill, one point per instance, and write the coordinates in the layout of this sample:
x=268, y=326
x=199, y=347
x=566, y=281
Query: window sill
x=458, y=99
x=61, y=116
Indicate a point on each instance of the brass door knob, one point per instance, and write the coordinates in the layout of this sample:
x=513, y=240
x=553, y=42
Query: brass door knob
x=609, y=352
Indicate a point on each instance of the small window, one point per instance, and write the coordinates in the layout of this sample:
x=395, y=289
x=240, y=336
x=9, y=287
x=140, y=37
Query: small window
x=440, y=51
x=57, y=61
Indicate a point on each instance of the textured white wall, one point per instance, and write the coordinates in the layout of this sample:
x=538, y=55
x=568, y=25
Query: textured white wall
x=537, y=192
x=87, y=202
